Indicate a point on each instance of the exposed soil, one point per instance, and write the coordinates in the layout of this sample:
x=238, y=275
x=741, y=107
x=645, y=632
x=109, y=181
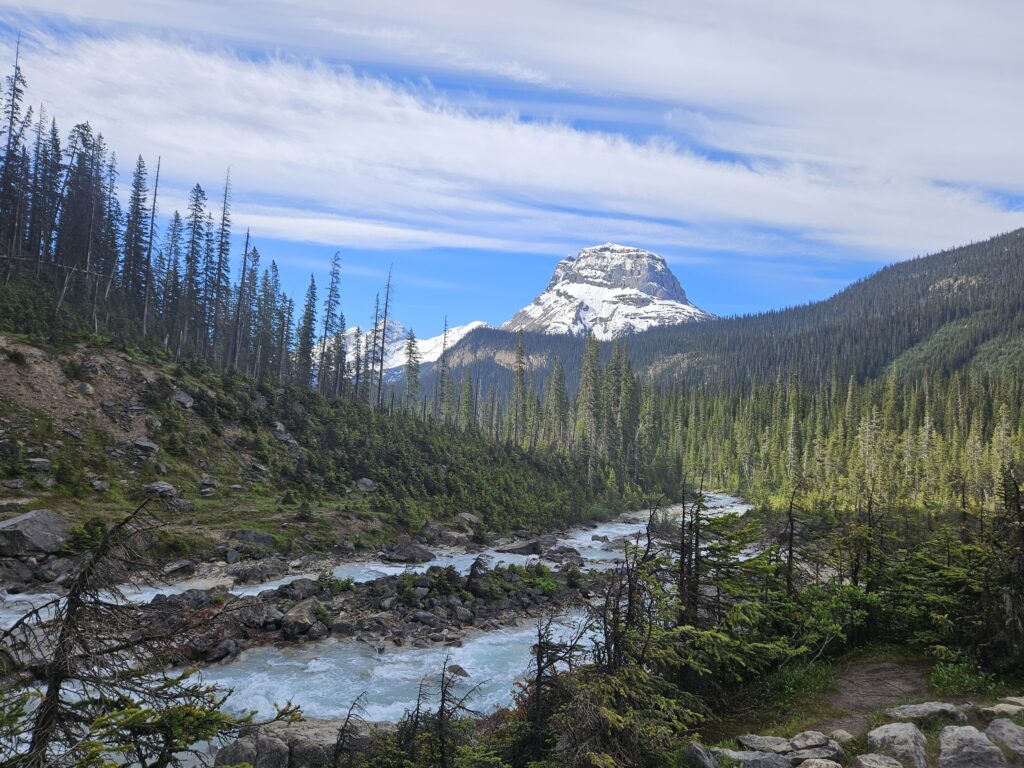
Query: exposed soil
x=864, y=687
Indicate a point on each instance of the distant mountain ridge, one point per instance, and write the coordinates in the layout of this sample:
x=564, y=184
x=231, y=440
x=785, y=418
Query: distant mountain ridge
x=611, y=291
x=943, y=312
x=430, y=349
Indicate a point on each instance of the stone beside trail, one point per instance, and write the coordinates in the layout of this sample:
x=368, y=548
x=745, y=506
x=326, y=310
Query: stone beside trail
x=897, y=744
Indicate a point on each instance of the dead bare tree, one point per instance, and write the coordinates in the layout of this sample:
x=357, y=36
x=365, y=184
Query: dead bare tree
x=97, y=666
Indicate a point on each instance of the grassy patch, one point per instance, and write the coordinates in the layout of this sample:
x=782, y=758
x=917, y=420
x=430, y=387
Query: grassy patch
x=783, y=702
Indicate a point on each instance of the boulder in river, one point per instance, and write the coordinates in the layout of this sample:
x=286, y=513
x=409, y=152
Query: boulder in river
x=531, y=547
x=41, y=531
x=407, y=551
x=299, y=619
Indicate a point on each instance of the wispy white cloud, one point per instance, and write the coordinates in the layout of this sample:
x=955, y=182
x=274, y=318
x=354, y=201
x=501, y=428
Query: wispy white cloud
x=848, y=128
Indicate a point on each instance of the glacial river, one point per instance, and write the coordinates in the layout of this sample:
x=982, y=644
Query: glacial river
x=325, y=677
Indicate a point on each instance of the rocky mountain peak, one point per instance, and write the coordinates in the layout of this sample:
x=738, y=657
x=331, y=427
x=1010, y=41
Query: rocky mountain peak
x=611, y=290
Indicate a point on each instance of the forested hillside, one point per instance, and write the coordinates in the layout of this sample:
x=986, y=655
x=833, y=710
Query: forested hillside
x=941, y=312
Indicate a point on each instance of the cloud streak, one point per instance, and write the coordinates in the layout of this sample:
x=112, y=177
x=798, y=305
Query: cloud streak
x=845, y=132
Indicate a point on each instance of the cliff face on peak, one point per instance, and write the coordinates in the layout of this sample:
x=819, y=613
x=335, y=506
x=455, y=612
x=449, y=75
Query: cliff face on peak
x=610, y=290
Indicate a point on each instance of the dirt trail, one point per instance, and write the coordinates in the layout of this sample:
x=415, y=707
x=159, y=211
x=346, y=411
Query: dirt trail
x=862, y=688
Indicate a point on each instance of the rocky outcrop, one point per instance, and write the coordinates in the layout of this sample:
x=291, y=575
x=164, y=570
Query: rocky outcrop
x=308, y=743
x=41, y=531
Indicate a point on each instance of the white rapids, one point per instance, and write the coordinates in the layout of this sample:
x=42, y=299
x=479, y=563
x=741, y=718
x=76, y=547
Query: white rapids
x=324, y=678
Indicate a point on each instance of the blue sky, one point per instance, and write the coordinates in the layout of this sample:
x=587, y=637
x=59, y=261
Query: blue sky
x=772, y=153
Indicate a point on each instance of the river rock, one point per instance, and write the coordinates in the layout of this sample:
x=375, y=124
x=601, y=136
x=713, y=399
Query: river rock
x=457, y=670
x=531, y=547
x=928, y=712
x=900, y=740
x=256, y=573
x=299, y=619
x=964, y=746
x=1015, y=700
x=843, y=737
x=299, y=590
x=241, y=751
x=41, y=531
x=815, y=762
x=752, y=759
x=697, y=756
x=1006, y=732
x=407, y=551
x=425, y=617
x=754, y=743
x=318, y=631
x=872, y=760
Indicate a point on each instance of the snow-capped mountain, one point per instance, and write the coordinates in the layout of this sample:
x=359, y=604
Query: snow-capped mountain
x=394, y=348
x=611, y=290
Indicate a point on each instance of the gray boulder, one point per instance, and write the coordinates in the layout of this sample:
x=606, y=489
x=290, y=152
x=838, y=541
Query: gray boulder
x=41, y=531
x=754, y=743
x=964, y=746
x=872, y=760
x=300, y=618
x=808, y=740
x=145, y=448
x=698, y=756
x=902, y=741
x=38, y=465
x=183, y=399
x=260, y=539
x=1006, y=732
x=271, y=752
x=531, y=547
x=830, y=752
x=843, y=737
x=820, y=763
x=751, y=759
x=161, y=488
x=928, y=712
x=1003, y=709
x=243, y=750
x=408, y=552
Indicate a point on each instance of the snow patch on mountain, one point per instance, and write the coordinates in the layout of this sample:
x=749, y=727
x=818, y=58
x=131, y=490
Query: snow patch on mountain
x=394, y=347
x=611, y=290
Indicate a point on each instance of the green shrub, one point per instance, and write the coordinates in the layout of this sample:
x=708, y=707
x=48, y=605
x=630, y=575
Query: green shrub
x=961, y=678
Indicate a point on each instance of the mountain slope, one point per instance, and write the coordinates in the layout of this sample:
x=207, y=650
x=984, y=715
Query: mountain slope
x=945, y=311
x=610, y=290
x=430, y=349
